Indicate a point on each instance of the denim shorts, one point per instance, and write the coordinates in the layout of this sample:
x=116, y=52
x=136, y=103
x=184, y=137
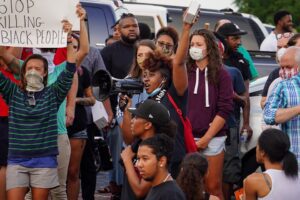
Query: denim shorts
x=215, y=146
x=79, y=135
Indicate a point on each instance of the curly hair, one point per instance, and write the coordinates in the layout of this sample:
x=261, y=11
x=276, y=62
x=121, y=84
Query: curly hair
x=159, y=62
x=213, y=54
x=136, y=71
x=190, y=179
x=169, y=31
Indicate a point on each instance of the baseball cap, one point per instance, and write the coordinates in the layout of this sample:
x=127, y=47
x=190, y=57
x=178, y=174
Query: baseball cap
x=231, y=29
x=152, y=111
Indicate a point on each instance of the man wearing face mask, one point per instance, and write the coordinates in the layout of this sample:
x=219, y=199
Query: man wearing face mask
x=279, y=73
x=283, y=104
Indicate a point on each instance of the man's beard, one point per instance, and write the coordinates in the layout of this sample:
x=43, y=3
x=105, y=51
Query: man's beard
x=129, y=40
x=287, y=29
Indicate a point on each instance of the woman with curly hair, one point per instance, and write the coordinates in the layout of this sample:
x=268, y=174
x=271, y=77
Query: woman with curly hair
x=191, y=177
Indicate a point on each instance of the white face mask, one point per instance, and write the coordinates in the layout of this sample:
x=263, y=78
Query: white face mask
x=197, y=53
x=280, y=53
x=34, y=81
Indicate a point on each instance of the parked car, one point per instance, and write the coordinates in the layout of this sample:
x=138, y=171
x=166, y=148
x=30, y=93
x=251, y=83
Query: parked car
x=154, y=16
x=101, y=15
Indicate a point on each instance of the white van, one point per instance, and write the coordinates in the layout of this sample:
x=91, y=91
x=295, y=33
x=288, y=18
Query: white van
x=154, y=16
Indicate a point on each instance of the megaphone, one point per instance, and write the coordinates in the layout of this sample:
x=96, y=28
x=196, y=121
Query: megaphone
x=104, y=85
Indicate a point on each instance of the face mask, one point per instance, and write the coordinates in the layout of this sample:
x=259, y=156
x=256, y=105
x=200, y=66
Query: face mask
x=34, y=81
x=196, y=53
x=166, y=51
x=157, y=90
x=280, y=53
x=285, y=73
x=140, y=61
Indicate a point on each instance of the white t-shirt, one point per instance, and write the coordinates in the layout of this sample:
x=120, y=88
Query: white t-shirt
x=269, y=43
x=283, y=187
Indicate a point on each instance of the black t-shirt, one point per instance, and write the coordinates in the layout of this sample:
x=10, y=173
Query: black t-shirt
x=238, y=61
x=168, y=190
x=80, y=120
x=272, y=76
x=179, y=149
x=118, y=58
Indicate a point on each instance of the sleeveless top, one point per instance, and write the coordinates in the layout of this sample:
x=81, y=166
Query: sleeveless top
x=283, y=187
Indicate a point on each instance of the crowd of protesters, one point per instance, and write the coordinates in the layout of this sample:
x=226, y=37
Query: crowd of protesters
x=47, y=147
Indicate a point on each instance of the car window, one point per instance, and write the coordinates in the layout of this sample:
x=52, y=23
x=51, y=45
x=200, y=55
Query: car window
x=149, y=20
x=98, y=28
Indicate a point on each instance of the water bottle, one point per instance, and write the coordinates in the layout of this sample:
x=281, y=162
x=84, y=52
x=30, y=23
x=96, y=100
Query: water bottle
x=243, y=140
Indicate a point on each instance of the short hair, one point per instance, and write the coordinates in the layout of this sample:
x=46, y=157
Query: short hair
x=145, y=31
x=161, y=145
x=170, y=31
x=293, y=40
x=279, y=15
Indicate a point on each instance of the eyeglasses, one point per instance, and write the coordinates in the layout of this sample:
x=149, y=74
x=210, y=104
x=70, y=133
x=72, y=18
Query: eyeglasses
x=284, y=35
x=165, y=45
x=31, y=99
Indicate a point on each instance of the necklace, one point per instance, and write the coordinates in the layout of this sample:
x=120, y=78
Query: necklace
x=167, y=177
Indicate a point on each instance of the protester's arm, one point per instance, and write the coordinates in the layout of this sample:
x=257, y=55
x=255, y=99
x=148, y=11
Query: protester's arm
x=250, y=187
x=6, y=87
x=138, y=186
x=84, y=40
x=15, y=51
x=71, y=101
x=276, y=102
x=246, y=112
x=126, y=122
x=107, y=106
x=10, y=60
x=180, y=77
x=64, y=81
x=224, y=107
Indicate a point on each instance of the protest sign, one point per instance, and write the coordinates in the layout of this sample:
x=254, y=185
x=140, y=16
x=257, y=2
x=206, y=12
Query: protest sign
x=35, y=23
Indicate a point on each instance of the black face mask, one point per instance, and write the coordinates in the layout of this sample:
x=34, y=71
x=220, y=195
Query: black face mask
x=129, y=40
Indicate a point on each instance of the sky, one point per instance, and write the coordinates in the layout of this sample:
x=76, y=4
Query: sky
x=213, y=4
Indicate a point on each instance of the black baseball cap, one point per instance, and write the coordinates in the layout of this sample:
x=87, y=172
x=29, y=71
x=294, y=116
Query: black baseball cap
x=152, y=111
x=230, y=29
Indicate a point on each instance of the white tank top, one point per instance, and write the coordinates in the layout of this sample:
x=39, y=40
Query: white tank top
x=283, y=188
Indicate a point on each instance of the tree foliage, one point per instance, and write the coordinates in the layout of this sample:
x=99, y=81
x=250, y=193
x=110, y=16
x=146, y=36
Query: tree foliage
x=265, y=9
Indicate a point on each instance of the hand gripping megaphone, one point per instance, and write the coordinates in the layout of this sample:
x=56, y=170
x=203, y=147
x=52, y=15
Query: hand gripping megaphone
x=104, y=85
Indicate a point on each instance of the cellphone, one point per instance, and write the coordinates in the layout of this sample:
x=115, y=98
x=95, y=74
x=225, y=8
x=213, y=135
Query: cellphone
x=192, y=11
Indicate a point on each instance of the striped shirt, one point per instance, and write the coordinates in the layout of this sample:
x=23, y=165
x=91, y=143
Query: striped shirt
x=286, y=94
x=33, y=129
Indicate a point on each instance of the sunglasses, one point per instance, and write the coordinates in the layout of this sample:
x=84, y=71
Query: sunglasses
x=165, y=45
x=284, y=35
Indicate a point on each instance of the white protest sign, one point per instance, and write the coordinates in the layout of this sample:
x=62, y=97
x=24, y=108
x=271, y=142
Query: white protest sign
x=35, y=23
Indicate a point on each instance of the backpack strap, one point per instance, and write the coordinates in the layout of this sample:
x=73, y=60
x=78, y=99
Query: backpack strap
x=175, y=106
